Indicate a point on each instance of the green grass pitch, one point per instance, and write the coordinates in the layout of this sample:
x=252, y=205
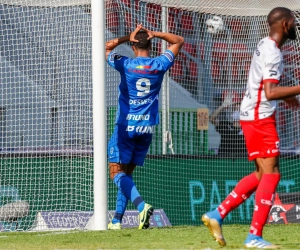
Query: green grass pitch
x=183, y=237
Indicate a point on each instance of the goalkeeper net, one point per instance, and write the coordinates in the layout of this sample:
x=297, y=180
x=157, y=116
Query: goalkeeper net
x=46, y=114
x=46, y=144
x=188, y=172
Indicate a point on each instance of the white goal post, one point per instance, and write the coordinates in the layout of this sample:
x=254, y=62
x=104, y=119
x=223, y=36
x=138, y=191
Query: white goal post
x=64, y=101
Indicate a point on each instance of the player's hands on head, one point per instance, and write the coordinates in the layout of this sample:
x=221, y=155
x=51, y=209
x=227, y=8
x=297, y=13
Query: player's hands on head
x=292, y=102
x=228, y=100
x=150, y=33
x=132, y=35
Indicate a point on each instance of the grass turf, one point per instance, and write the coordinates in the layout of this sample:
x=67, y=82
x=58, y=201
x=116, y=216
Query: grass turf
x=185, y=237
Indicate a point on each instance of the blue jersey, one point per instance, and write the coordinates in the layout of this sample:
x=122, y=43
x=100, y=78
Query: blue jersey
x=141, y=80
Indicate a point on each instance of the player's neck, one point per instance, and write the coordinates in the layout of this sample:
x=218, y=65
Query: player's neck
x=142, y=53
x=277, y=38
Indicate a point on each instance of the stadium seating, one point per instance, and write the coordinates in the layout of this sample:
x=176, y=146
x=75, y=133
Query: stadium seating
x=219, y=56
x=173, y=20
x=190, y=48
x=201, y=50
x=236, y=28
x=156, y=47
x=177, y=71
x=130, y=23
x=297, y=72
x=153, y=15
x=192, y=68
x=236, y=97
x=186, y=23
x=281, y=119
x=241, y=60
x=112, y=16
x=185, y=68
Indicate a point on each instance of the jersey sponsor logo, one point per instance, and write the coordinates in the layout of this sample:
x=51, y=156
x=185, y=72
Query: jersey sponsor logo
x=223, y=210
x=138, y=117
x=248, y=94
x=141, y=129
x=140, y=102
x=273, y=72
x=266, y=202
x=254, y=153
x=143, y=71
x=143, y=67
x=233, y=194
x=169, y=56
x=275, y=150
x=261, y=43
x=244, y=113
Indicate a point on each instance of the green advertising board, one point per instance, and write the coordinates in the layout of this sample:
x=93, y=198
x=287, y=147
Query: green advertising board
x=184, y=187
x=188, y=187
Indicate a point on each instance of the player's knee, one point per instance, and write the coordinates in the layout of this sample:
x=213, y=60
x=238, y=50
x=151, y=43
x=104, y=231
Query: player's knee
x=114, y=169
x=268, y=165
x=130, y=168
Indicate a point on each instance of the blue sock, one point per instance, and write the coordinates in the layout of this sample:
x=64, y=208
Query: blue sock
x=128, y=188
x=216, y=215
x=252, y=236
x=121, y=205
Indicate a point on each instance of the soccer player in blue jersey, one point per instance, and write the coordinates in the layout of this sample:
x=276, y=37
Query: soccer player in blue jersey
x=141, y=80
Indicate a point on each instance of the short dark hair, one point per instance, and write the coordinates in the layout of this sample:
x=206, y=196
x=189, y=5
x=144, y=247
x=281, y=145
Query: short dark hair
x=279, y=13
x=143, y=43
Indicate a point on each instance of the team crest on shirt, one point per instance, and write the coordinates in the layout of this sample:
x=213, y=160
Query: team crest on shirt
x=114, y=56
x=277, y=144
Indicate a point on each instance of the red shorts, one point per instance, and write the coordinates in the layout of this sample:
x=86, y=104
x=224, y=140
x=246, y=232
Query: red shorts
x=261, y=138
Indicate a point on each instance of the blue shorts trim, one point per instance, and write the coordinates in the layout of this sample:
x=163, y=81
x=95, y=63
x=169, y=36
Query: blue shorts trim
x=129, y=144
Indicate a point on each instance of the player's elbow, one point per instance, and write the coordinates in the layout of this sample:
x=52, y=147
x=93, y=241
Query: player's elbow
x=107, y=47
x=181, y=40
x=270, y=96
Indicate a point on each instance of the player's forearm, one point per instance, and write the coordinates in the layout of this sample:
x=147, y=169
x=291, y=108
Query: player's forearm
x=112, y=44
x=280, y=93
x=169, y=37
x=215, y=114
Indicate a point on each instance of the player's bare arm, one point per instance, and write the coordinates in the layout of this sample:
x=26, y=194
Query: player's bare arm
x=292, y=102
x=226, y=103
x=175, y=40
x=213, y=117
x=112, y=44
x=275, y=92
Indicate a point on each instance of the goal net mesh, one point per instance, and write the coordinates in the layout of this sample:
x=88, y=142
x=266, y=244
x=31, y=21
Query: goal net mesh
x=46, y=169
x=196, y=172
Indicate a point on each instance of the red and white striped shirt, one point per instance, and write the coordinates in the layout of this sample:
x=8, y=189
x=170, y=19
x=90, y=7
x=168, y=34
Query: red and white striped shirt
x=266, y=66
